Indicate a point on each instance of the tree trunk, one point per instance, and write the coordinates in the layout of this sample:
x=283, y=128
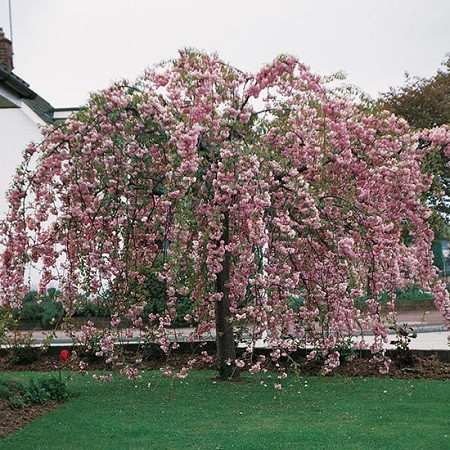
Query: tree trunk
x=226, y=351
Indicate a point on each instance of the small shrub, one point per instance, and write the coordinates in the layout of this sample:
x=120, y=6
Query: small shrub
x=57, y=387
x=151, y=351
x=6, y=324
x=52, y=313
x=40, y=390
x=37, y=390
x=10, y=389
x=5, y=393
x=31, y=310
x=4, y=381
x=88, y=350
x=404, y=335
x=17, y=402
x=346, y=350
x=22, y=351
x=42, y=312
x=24, y=355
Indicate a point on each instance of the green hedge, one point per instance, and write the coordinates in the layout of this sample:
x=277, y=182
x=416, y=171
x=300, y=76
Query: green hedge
x=46, y=311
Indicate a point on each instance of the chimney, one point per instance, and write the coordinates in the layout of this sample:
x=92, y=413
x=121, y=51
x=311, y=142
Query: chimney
x=6, y=51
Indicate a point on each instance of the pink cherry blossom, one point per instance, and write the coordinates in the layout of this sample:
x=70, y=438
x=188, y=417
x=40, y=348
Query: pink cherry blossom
x=273, y=220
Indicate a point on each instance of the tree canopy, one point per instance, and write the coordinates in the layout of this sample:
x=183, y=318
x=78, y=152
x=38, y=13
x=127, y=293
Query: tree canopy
x=272, y=204
x=425, y=103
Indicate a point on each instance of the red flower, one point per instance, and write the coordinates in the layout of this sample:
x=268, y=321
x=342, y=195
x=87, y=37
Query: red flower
x=64, y=355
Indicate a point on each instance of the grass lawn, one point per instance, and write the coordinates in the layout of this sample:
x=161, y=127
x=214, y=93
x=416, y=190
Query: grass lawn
x=199, y=413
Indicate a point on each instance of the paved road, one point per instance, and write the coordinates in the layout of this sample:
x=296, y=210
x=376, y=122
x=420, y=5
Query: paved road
x=430, y=327
x=428, y=338
x=434, y=340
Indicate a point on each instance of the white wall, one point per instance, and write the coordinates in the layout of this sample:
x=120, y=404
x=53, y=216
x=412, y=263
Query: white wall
x=18, y=127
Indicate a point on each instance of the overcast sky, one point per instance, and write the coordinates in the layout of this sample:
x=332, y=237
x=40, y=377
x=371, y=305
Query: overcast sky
x=67, y=48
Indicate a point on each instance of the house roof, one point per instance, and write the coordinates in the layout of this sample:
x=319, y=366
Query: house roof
x=19, y=86
x=22, y=89
x=41, y=107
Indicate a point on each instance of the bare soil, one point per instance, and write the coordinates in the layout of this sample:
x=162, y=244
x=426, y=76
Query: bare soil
x=419, y=367
x=429, y=368
x=13, y=419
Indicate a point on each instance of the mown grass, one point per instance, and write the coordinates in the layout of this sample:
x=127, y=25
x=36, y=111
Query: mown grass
x=199, y=413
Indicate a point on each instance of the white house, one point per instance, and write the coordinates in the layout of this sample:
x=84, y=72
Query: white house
x=22, y=113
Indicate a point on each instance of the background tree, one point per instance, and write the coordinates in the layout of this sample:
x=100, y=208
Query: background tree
x=425, y=103
x=241, y=192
